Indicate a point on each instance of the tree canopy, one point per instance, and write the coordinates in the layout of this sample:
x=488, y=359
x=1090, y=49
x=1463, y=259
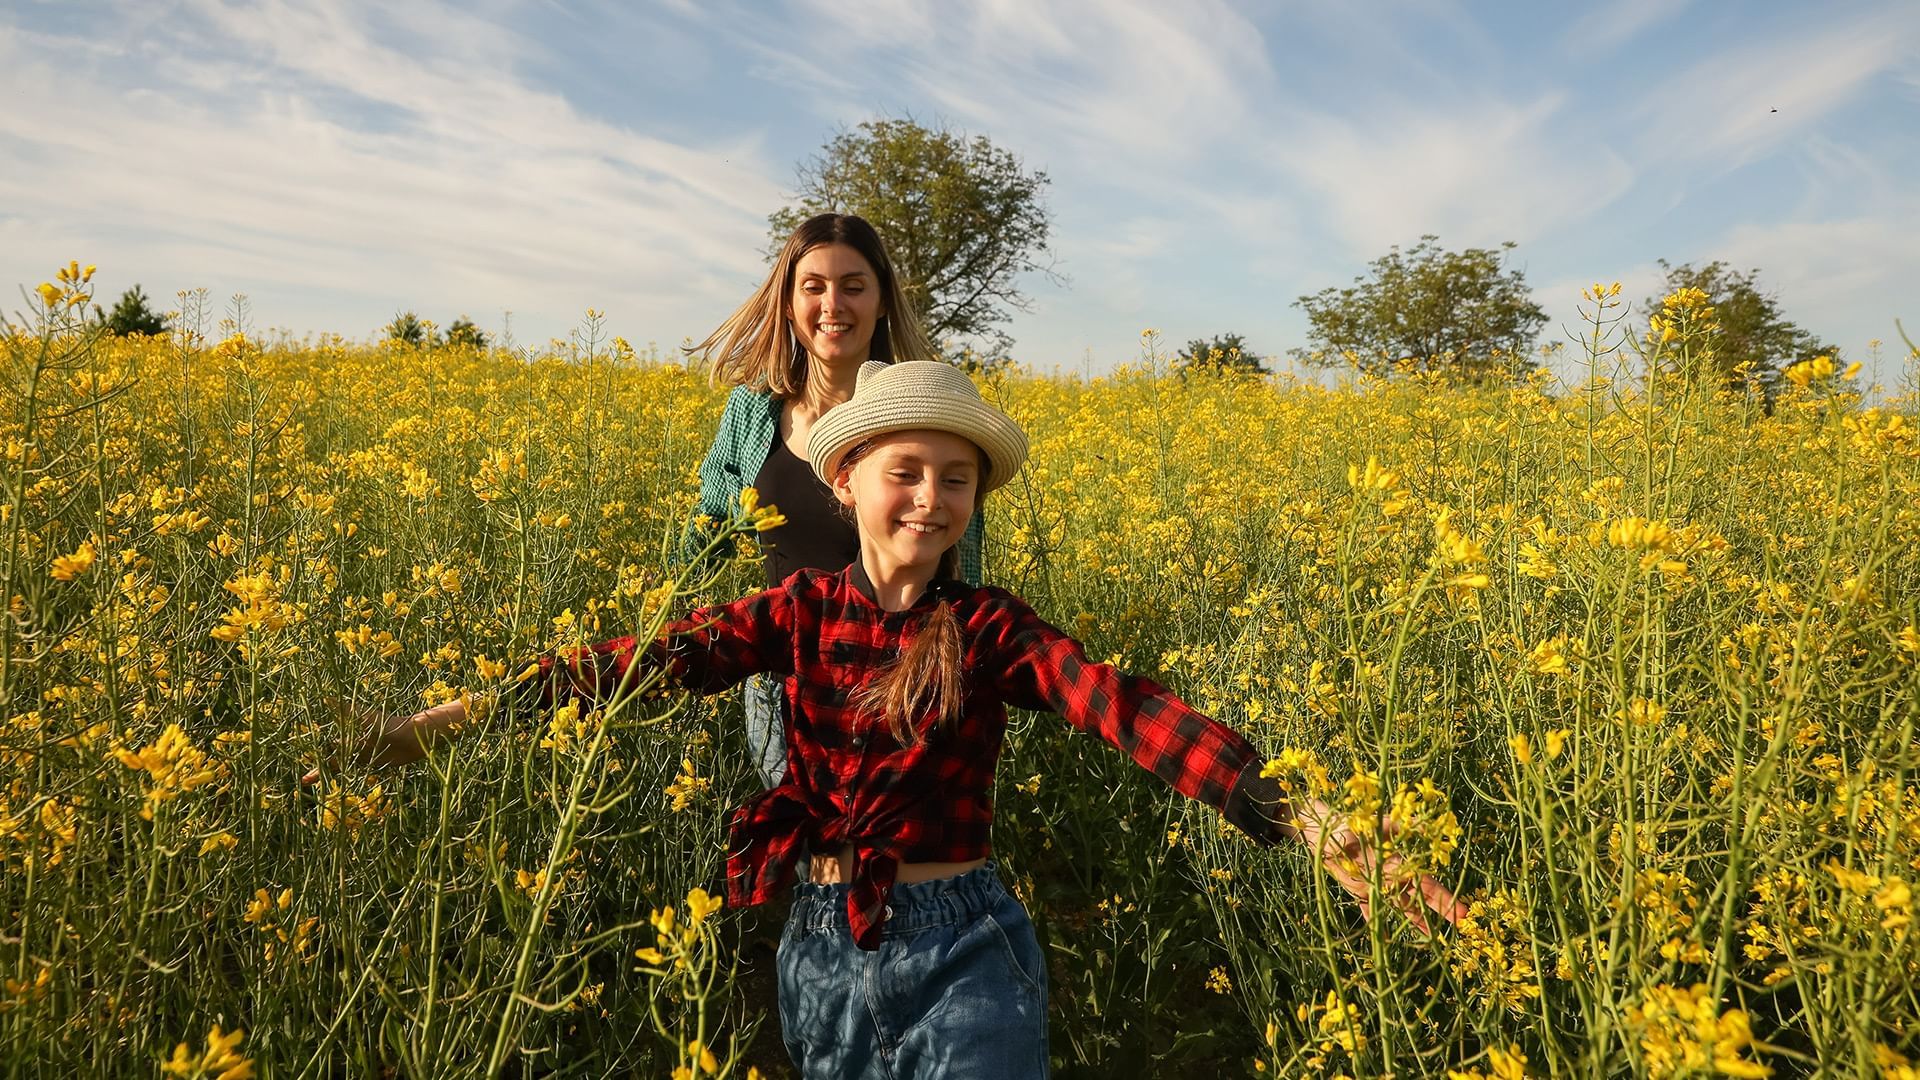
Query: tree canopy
x=409, y=329
x=961, y=217
x=1429, y=309
x=134, y=315
x=1755, y=339
x=1224, y=353
x=462, y=332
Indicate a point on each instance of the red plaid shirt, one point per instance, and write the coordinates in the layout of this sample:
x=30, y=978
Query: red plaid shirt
x=849, y=782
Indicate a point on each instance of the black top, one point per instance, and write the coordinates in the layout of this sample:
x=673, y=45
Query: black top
x=817, y=535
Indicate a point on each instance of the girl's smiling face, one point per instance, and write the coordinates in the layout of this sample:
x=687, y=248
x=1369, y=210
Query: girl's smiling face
x=835, y=304
x=912, y=495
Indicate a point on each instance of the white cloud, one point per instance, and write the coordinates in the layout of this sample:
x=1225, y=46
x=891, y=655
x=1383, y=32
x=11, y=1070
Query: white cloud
x=1103, y=84
x=1474, y=173
x=306, y=154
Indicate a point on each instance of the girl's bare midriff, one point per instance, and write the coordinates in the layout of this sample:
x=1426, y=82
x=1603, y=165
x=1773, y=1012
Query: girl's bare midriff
x=832, y=870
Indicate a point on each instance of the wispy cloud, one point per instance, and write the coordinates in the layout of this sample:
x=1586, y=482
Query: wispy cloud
x=1473, y=172
x=1744, y=100
x=1210, y=161
x=1603, y=28
x=310, y=153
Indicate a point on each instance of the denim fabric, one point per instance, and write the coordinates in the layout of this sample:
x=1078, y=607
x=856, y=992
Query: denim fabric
x=957, y=989
x=766, y=700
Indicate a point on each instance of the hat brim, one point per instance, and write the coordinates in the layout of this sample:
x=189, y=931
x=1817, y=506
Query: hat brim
x=846, y=426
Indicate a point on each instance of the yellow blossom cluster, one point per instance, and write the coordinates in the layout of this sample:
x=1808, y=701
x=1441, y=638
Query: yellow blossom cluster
x=1683, y=1032
x=220, y=1059
x=1493, y=953
x=173, y=766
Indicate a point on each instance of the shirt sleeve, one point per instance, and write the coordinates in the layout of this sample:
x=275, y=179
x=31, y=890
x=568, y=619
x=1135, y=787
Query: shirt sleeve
x=972, y=541
x=720, y=479
x=708, y=651
x=1038, y=666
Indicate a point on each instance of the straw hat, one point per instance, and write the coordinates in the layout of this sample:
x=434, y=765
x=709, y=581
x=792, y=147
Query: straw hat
x=917, y=395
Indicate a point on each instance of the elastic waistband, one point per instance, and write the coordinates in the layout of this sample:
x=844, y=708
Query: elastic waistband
x=952, y=901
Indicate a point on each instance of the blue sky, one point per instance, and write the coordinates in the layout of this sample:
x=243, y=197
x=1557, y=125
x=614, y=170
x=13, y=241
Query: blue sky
x=338, y=161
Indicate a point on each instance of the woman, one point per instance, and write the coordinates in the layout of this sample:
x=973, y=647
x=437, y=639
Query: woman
x=792, y=352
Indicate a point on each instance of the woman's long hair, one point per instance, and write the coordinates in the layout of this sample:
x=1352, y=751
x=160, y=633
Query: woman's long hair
x=756, y=346
x=928, y=677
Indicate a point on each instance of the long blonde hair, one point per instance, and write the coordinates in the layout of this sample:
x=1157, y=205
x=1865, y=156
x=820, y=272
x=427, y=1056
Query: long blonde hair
x=927, y=676
x=755, y=347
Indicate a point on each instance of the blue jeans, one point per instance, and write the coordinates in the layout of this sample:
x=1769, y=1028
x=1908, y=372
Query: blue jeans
x=765, y=699
x=957, y=989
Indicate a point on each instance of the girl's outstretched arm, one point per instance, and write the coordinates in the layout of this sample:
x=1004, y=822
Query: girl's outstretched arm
x=706, y=652
x=397, y=740
x=1038, y=666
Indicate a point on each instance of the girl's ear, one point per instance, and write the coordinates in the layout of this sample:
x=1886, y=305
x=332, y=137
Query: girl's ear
x=843, y=486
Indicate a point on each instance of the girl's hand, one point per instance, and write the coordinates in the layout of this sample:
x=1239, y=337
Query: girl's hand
x=1351, y=859
x=389, y=741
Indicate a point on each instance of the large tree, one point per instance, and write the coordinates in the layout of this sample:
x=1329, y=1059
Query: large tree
x=1462, y=312
x=1755, y=339
x=962, y=219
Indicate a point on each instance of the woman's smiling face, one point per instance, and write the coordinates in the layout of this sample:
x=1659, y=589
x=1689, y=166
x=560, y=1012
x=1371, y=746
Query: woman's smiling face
x=835, y=305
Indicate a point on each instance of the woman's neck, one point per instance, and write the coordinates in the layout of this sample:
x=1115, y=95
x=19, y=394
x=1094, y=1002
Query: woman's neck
x=826, y=387
x=896, y=587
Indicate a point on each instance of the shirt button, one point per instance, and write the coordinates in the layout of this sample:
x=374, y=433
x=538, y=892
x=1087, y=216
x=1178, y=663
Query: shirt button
x=859, y=742
x=886, y=913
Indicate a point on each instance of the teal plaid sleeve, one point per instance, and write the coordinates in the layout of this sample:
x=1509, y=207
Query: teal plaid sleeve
x=971, y=542
x=740, y=444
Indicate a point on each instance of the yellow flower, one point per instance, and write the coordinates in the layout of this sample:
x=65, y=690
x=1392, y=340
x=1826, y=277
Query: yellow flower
x=1681, y=1035
x=700, y=905
x=687, y=786
x=664, y=920
x=1557, y=741
x=1522, y=748
x=173, y=766
x=220, y=841
x=221, y=1060
x=68, y=567
x=1549, y=657
x=1373, y=477
x=1641, y=712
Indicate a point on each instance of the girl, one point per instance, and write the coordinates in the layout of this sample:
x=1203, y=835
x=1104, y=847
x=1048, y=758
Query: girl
x=830, y=303
x=903, y=956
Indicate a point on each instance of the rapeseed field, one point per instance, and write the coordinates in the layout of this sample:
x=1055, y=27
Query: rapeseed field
x=1630, y=656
